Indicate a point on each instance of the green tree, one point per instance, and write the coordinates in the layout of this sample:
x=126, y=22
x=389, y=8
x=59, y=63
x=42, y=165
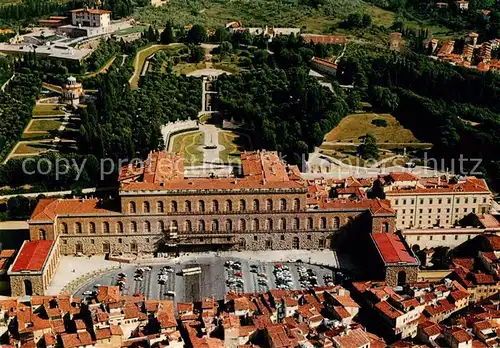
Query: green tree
x=383, y=99
x=197, y=54
x=367, y=20
x=354, y=20
x=167, y=35
x=353, y=100
x=368, y=149
x=221, y=35
x=225, y=48
x=197, y=34
x=260, y=57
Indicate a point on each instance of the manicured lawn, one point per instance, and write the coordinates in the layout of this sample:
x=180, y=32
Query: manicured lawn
x=36, y=136
x=44, y=125
x=234, y=144
x=190, y=146
x=138, y=29
x=47, y=109
x=353, y=127
x=30, y=148
x=186, y=68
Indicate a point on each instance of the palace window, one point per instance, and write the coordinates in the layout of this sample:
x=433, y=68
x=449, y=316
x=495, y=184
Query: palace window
x=282, y=225
x=255, y=205
x=309, y=223
x=105, y=227
x=145, y=207
x=173, y=207
x=78, y=228
x=296, y=204
x=91, y=227
x=336, y=222
x=269, y=224
x=215, y=206
x=283, y=204
x=269, y=204
x=229, y=205
x=296, y=223
x=255, y=226
x=131, y=207
x=159, y=207
x=243, y=205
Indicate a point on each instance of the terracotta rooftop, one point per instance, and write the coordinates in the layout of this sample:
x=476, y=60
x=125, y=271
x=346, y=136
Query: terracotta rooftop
x=470, y=184
x=47, y=209
x=353, y=339
x=324, y=62
x=387, y=309
x=460, y=335
x=488, y=220
x=32, y=256
x=403, y=176
x=165, y=171
x=392, y=249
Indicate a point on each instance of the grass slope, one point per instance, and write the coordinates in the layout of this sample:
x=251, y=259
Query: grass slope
x=353, y=127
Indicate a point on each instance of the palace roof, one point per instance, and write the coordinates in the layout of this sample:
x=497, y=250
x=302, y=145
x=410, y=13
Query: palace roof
x=392, y=249
x=165, y=171
x=32, y=256
x=48, y=208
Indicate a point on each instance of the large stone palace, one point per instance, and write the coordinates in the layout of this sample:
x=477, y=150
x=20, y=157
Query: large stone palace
x=267, y=205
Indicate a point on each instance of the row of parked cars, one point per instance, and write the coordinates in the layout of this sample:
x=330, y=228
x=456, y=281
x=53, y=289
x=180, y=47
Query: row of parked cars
x=284, y=279
x=234, y=279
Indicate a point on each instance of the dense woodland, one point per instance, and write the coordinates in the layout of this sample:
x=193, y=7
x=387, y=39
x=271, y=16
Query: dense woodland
x=16, y=104
x=124, y=123
x=287, y=109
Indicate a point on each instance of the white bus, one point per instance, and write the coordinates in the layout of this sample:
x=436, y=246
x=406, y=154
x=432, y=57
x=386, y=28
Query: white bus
x=192, y=270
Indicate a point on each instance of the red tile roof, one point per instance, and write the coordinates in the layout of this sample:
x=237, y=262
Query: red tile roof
x=392, y=249
x=47, y=209
x=388, y=310
x=460, y=335
x=32, y=256
x=353, y=339
x=403, y=176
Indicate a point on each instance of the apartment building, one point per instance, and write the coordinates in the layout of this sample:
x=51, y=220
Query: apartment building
x=435, y=201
